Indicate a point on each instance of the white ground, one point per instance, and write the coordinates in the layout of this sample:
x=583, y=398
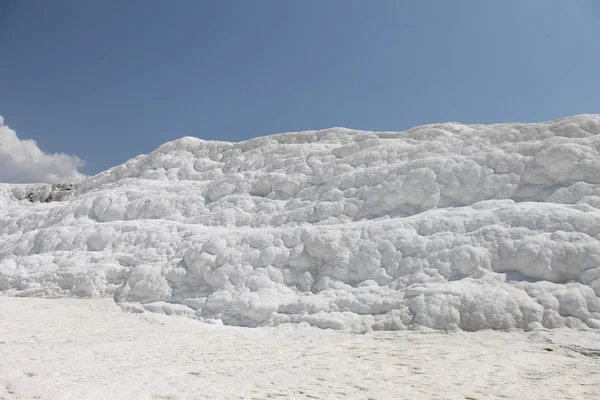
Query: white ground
x=89, y=349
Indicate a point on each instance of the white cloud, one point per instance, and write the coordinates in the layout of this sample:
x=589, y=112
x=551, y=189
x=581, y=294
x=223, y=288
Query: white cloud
x=22, y=161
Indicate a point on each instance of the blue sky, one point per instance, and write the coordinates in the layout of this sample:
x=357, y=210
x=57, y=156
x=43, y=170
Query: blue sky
x=107, y=80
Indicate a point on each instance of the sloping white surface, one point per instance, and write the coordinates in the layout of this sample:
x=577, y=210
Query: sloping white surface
x=87, y=349
x=443, y=226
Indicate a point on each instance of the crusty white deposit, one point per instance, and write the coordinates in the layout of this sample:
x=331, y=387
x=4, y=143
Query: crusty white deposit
x=71, y=349
x=442, y=226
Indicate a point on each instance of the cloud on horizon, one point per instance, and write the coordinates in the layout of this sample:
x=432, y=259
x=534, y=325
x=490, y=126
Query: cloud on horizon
x=22, y=161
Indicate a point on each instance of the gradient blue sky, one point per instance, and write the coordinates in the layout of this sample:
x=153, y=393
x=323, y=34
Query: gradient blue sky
x=107, y=80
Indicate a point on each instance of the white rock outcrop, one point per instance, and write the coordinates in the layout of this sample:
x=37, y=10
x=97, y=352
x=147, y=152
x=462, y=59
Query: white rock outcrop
x=444, y=226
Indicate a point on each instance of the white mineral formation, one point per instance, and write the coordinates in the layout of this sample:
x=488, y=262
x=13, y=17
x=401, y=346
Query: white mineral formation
x=444, y=226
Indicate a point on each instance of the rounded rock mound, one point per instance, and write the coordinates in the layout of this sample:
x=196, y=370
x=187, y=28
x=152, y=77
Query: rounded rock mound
x=444, y=226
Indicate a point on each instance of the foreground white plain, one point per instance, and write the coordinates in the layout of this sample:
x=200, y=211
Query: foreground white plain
x=89, y=349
